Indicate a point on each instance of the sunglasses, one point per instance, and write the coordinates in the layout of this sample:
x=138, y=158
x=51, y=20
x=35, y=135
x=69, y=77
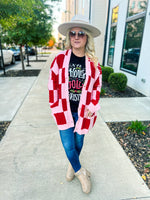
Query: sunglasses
x=80, y=34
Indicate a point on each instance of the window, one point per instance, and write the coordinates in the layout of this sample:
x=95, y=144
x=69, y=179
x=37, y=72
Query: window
x=139, y=5
x=112, y=35
x=133, y=36
x=136, y=7
x=133, y=4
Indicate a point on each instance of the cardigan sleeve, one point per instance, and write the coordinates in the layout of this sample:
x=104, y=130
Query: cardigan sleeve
x=94, y=104
x=53, y=84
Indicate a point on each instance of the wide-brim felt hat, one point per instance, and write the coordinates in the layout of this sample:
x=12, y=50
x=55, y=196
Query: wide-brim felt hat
x=81, y=22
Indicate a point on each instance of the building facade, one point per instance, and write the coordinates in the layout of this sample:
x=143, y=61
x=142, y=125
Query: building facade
x=70, y=9
x=124, y=43
x=96, y=11
x=128, y=42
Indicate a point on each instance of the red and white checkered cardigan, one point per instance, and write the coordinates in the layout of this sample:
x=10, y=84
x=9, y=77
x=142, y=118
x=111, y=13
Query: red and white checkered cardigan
x=59, y=96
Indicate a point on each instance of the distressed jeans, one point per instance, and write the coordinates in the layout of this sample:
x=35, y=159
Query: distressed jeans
x=72, y=143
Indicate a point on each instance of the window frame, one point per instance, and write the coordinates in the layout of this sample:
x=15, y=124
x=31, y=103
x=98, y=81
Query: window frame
x=112, y=24
x=130, y=19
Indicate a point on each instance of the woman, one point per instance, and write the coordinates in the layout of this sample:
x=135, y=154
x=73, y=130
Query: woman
x=74, y=92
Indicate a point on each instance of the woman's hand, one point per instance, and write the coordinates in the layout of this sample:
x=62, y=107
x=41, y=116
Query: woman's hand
x=89, y=113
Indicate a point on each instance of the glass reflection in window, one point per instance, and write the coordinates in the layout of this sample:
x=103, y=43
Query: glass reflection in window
x=111, y=45
x=112, y=38
x=136, y=6
x=115, y=14
x=132, y=44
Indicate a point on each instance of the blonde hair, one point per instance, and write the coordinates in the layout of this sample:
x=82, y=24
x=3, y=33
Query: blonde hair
x=89, y=47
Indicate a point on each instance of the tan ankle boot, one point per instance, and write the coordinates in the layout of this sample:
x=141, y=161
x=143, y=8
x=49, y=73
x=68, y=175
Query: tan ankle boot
x=84, y=177
x=70, y=173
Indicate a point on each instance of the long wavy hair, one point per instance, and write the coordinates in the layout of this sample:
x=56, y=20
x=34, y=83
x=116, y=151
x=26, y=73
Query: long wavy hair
x=89, y=47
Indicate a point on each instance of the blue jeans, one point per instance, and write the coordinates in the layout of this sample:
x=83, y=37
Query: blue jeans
x=72, y=143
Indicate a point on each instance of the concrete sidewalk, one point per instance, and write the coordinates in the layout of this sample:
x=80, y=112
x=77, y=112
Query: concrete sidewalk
x=14, y=90
x=33, y=163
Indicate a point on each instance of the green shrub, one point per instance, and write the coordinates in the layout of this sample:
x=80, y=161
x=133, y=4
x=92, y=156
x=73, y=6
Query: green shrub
x=147, y=165
x=103, y=91
x=102, y=66
x=137, y=127
x=118, y=81
x=106, y=71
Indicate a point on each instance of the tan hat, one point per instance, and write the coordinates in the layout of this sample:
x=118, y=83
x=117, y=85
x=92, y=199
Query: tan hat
x=79, y=21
